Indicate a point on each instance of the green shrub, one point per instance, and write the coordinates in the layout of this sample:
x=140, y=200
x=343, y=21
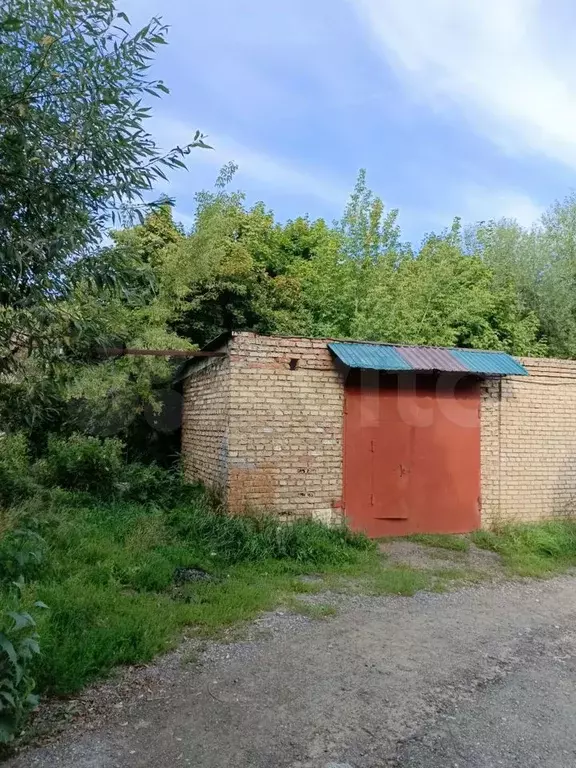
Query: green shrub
x=18, y=647
x=82, y=463
x=21, y=555
x=15, y=481
x=151, y=484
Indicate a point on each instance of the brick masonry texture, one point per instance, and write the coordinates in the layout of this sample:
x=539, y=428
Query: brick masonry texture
x=286, y=424
x=528, y=427
x=264, y=427
x=205, y=423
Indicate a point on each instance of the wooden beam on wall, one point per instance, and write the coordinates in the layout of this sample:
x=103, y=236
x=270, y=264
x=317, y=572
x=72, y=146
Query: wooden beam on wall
x=121, y=352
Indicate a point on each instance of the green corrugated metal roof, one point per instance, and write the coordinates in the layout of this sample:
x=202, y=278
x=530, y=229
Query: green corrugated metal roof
x=498, y=363
x=388, y=357
x=374, y=356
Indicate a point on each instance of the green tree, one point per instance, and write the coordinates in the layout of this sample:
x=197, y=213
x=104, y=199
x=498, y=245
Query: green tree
x=243, y=264
x=368, y=232
x=541, y=264
x=330, y=288
x=108, y=396
x=442, y=296
x=74, y=153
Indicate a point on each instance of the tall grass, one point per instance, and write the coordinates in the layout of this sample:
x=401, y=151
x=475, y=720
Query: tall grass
x=533, y=550
x=108, y=575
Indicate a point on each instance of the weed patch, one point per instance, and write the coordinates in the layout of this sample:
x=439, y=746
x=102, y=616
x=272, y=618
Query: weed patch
x=111, y=574
x=123, y=573
x=537, y=550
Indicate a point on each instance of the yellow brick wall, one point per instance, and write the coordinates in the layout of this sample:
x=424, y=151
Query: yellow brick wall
x=528, y=428
x=263, y=433
x=285, y=427
x=205, y=423
x=264, y=426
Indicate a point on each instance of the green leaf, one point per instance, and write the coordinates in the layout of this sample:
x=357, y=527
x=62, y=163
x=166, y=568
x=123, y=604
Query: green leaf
x=19, y=583
x=8, y=648
x=29, y=646
x=21, y=620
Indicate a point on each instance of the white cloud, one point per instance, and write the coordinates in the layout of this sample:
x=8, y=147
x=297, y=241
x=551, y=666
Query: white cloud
x=482, y=204
x=473, y=203
x=497, y=60
x=270, y=171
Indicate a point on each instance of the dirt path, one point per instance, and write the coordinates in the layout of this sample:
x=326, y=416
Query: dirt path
x=483, y=676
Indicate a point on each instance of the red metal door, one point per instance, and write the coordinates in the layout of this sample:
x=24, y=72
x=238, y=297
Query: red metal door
x=412, y=454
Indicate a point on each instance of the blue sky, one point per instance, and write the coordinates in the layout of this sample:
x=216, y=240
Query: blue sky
x=454, y=107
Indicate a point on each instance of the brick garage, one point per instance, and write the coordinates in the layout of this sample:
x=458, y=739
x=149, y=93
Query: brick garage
x=264, y=426
x=529, y=443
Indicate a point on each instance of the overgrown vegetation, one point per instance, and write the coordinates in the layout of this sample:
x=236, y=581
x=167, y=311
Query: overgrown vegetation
x=121, y=551
x=18, y=647
x=125, y=556
x=533, y=549
x=117, y=586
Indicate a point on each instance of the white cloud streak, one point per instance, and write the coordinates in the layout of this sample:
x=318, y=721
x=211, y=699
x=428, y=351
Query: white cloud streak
x=270, y=171
x=513, y=77
x=482, y=204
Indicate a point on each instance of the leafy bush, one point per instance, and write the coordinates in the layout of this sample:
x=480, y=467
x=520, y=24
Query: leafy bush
x=15, y=480
x=82, y=463
x=18, y=647
x=88, y=465
x=21, y=554
x=153, y=484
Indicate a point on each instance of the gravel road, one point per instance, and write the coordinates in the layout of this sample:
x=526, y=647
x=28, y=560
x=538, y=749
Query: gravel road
x=479, y=677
